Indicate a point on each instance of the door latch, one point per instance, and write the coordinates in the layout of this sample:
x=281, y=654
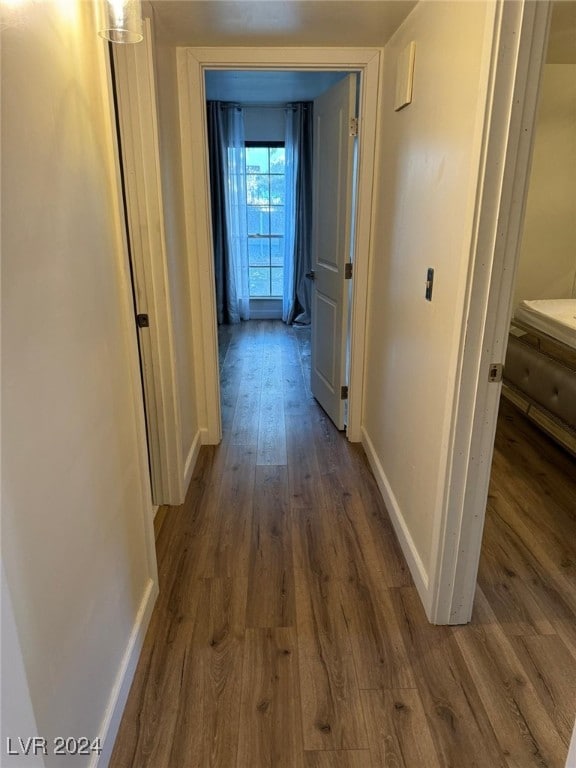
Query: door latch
x=495, y=372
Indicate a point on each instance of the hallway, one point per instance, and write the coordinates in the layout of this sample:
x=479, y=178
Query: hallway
x=288, y=633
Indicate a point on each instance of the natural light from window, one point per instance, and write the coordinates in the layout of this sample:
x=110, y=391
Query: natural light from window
x=265, y=198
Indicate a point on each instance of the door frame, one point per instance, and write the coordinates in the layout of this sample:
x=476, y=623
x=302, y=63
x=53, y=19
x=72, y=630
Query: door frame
x=517, y=55
x=134, y=76
x=192, y=64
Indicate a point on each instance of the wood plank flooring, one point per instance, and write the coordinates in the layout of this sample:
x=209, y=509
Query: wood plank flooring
x=288, y=633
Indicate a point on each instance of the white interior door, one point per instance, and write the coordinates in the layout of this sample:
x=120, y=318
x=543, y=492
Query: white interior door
x=333, y=180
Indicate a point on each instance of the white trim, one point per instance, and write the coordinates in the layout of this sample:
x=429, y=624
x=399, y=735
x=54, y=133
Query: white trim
x=409, y=549
x=134, y=70
x=191, y=460
x=117, y=701
x=571, y=759
x=192, y=63
x=128, y=312
x=121, y=687
x=204, y=436
x=518, y=51
x=363, y=246
x=199, y=237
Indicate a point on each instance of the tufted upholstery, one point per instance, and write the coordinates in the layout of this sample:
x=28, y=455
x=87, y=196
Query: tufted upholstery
x=544, y=380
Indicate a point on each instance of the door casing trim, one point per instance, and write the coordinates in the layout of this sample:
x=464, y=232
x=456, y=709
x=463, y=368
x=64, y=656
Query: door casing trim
x=192, y=64
x=518, y=51
x=137, y=119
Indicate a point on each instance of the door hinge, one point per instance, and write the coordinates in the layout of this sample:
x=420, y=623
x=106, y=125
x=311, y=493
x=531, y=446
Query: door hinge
x=344, y=392
x=495, y=372
x=348, y=270
x=142, y=321
x=353, y=126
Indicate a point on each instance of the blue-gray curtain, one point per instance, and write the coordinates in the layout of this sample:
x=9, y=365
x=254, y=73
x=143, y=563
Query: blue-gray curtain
x=229, y=293
x=297, y=290
x=228, y=201
x=217, y=162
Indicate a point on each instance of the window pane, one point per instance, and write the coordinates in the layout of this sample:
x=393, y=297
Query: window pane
x=277, y=190
x=259, y=252
x=277, y=159
x=257, y=189
x=258, y=220
x=265, y=194
x=277, y=281
x=259, y=279
x=277, y=220
x=256, y=159
x=277, y=251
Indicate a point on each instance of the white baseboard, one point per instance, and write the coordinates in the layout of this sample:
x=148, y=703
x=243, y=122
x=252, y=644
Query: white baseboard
x=571, y=759
x=191, y=460
x=206, y=438
x=121, y=688
x=415, y=564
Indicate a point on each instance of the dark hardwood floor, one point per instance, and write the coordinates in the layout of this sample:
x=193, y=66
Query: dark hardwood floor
x=288, y=633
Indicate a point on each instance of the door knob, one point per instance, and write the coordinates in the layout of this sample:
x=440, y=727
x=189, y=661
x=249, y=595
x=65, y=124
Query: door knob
x=311, y=275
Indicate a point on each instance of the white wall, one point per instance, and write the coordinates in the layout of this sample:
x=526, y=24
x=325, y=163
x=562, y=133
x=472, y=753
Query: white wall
x=176, y=248
x=264, y=123
x=428, y=169
x=77, y=538
x=547, y=266
x=17, y=712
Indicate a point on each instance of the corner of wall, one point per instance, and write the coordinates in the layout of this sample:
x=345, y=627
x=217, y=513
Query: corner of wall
x=19, y=717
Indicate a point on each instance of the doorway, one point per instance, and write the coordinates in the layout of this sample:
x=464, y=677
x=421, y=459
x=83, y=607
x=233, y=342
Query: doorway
x=193, y=63
x=533, y=489
x=282, y=148
x=516, y=79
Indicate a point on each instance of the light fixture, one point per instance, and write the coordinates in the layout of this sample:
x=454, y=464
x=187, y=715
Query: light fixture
x=12, y=13
x=122, y=21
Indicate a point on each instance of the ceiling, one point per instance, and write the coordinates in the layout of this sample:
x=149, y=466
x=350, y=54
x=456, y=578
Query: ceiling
x=339, y=23
x=562, y=41
x=258, y=87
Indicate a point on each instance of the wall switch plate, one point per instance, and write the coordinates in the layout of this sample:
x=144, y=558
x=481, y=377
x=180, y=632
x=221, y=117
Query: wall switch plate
x=429, y=283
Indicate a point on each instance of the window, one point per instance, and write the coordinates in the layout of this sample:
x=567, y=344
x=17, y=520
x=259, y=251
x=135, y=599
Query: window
x=265, y=193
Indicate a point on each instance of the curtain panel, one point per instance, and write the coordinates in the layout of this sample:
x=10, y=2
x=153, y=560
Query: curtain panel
x=298, y=240
x=228, y=203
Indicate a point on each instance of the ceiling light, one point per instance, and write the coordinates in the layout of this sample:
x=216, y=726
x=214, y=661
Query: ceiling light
x=122, y=21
